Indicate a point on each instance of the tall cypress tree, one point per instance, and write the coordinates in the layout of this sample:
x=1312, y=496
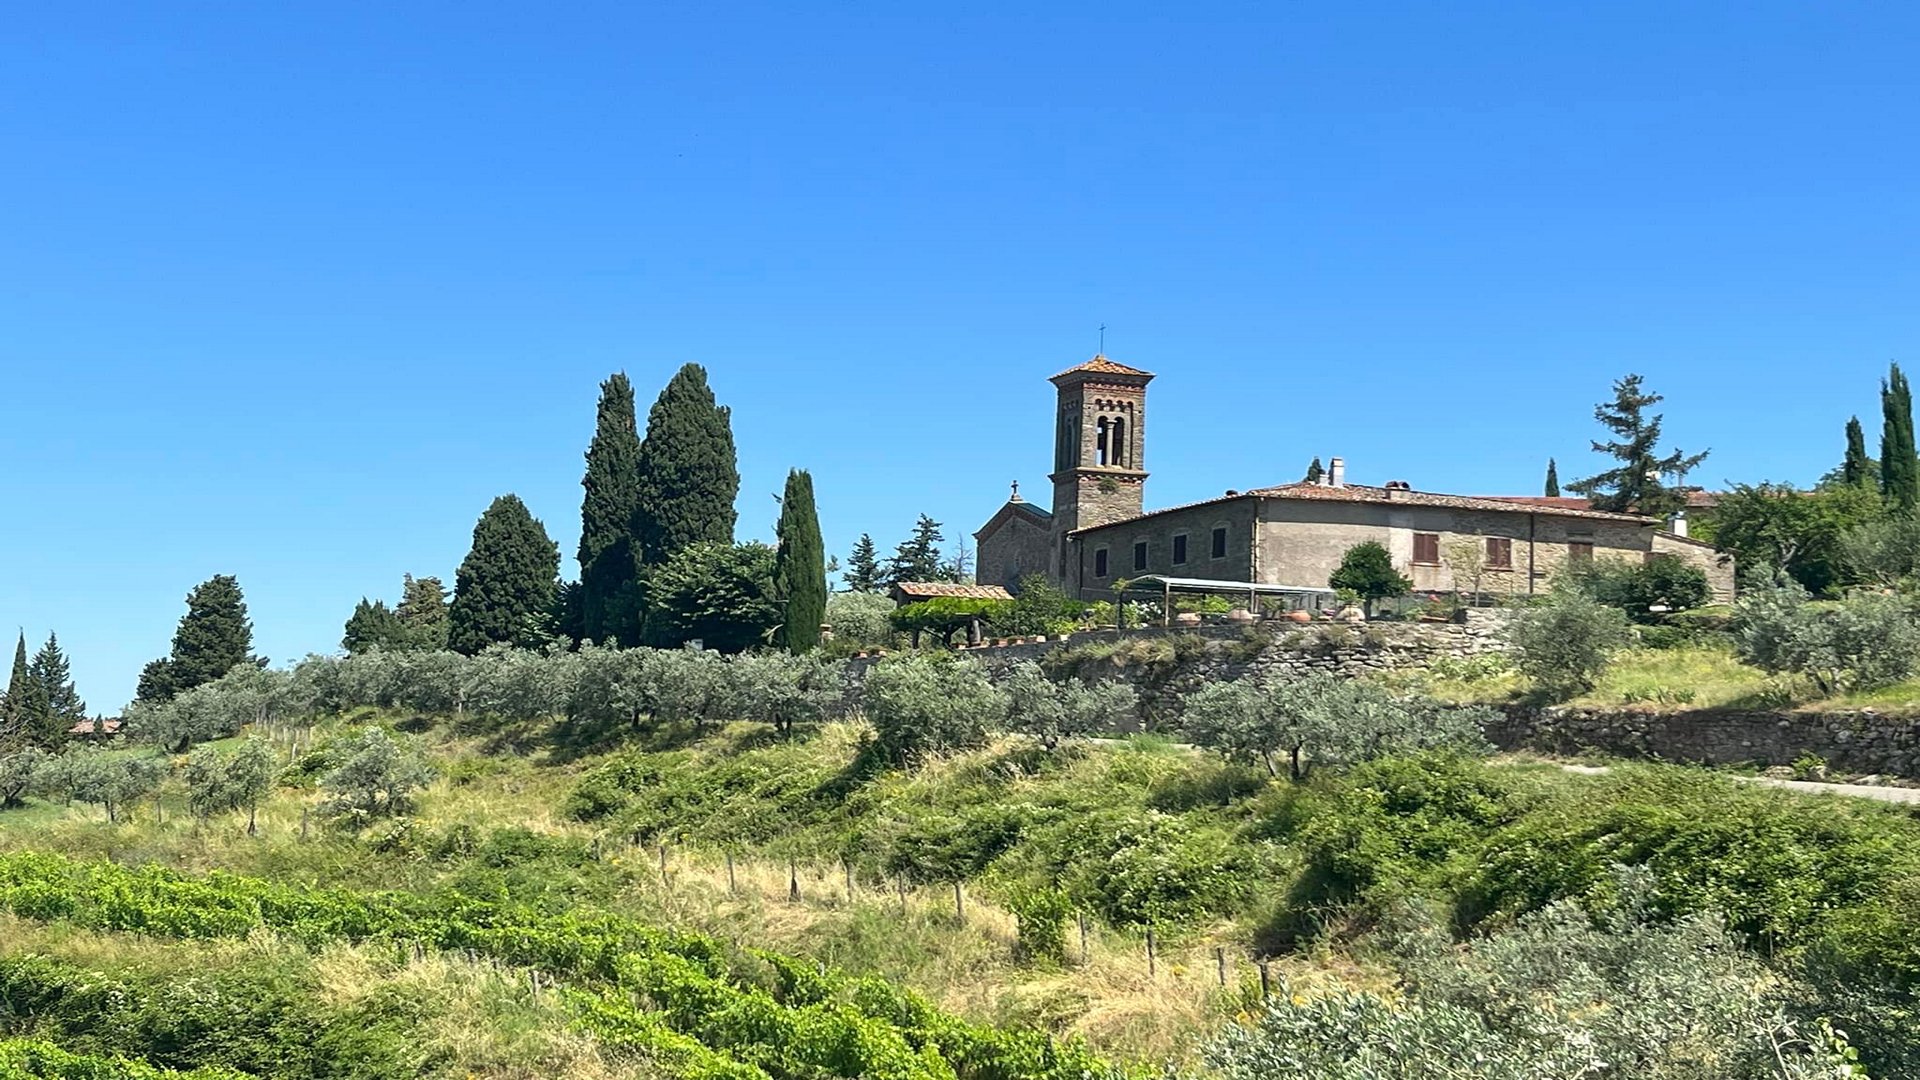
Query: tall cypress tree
x=1899, y=469
x=863, y=573
x=1553, y=479
x=212, y=638
x=422, y=611
x=56, y=699
x=608, y=607
x=506, y=583
x=1856, y=468
x=1316, y=472
x=689, y=477
x=800, y=566
x=16, y=727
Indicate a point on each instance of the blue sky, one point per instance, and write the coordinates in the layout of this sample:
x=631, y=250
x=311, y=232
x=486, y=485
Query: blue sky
x=293, y=291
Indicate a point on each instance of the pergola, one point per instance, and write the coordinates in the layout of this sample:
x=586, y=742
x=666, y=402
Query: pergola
x=1252, y=590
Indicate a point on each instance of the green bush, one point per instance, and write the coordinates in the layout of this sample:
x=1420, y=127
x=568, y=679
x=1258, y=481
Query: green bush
x=1858, y=643
x=1565, y=643
x=922, y=704
x=1664, y=581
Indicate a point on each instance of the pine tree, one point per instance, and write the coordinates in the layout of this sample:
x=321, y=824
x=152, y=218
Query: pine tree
x=507, y=581
x=863, y=567
x=1636, y=484
x=1553, y=479
x=606, y=599
x=1899, y=469
x=918, y=557
x=56, y=699
x=800, y=566
x=1316, y=472
x=422, y=612
x=688, y=474
x=213, y=637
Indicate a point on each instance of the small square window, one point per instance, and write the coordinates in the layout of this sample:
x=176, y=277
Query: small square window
x=1140, y=555
x=1426, y=549
x=1580, y=551
x=1099, y=562
x=1220, y=542
x=1499, y=553
x=1180, y=549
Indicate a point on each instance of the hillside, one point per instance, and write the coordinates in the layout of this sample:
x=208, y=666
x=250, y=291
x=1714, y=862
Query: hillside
x=628, y=909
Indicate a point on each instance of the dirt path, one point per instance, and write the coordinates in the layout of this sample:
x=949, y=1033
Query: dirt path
x=1809, y=787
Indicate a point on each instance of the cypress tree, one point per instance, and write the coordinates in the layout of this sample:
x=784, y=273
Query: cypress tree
x=372, y=626
x=607, y=512
x=1856, y=468
x=213, y=636
x=1316, y=472
x=1553, y=479
x=55, y=698
x=800, y=566
x=863, y=567
x=506, y=582
x=20, y=697
x=422, y=612
x=688, y=474
x=1899, y=469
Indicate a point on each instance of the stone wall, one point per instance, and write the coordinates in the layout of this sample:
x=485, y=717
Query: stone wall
x=1859, y=742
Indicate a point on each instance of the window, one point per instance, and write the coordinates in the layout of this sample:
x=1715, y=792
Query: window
x=1179, y=549
x=1499, y=553
x=1220, y=542
x=1119, y=454
x=1580, y=551
x=1426, y=549
x=1100, y=562
x=1140, y=555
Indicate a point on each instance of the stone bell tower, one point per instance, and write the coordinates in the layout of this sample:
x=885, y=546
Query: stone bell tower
x=1099, y=463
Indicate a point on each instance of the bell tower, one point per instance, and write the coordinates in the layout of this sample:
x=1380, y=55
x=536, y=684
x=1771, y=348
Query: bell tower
x=1099, y=461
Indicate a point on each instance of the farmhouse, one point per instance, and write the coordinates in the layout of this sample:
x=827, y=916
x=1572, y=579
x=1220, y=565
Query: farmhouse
x=1097, y=530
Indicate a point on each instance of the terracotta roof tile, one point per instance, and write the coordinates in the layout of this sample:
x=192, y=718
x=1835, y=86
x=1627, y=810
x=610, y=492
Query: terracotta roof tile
x=1100, y=365
x=1359, y=493
x=927, y=590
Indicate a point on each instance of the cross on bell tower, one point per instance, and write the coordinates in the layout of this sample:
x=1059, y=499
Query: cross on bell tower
x=1099, y=472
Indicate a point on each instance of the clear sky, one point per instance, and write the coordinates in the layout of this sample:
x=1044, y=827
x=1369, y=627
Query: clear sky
x=293, y=291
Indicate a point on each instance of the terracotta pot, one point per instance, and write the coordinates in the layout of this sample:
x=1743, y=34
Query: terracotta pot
x=1300, y=616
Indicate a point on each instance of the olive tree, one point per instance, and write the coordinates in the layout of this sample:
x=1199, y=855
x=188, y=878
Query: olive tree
x=1564, y=643
x=1051, y=711
x=377, y=778
x=1320, y=719
x=927, y=703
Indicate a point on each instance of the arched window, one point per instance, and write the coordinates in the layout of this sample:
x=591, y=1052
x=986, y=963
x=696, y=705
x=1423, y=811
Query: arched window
x=1102, y=445
x=1119, y=443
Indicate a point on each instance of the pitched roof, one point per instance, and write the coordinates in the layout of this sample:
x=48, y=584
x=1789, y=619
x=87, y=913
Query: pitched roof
x=1360, y=493
x=1100, y=365
x=927, y=590
x=1039, y=515
x=1405, y=497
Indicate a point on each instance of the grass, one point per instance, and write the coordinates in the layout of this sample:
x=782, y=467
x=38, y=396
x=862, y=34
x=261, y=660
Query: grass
x=1660, y=680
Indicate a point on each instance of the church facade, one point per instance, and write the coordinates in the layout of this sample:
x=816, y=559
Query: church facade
x=1097, y=530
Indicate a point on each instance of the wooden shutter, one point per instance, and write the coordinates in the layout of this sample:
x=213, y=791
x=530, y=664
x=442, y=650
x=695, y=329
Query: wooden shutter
x=1499, y=553
x=1579, y=551
x=1426, y=549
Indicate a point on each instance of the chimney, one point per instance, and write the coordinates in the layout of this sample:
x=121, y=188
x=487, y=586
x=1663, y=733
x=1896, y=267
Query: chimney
x=1337, y=472
x=1677, y=524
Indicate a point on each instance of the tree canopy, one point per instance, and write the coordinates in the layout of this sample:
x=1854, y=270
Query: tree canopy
x=608, y=602
x=213, y=637
x=506, y=583
x=1899, y=468
x=688, y=476
x=800, y=567
x=1638, y=484
x=1367, y=569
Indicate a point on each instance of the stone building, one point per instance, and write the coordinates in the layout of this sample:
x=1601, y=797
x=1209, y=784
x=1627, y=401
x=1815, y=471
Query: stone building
x=1098, y=530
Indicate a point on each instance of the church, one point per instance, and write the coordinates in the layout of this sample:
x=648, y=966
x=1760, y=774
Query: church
x=1097, y=530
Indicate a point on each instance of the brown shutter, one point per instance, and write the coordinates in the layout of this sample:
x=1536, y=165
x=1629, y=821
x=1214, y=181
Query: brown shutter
x=1499, y=553
x=1426, y=549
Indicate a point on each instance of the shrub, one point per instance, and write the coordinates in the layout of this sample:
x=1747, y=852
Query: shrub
x=1862, y=642
x=377, y=779
x=860, y=618
x=1664, y=581
x=1367, y=569
x=923, y=704
x=1557, y=995
x=1565, y=643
